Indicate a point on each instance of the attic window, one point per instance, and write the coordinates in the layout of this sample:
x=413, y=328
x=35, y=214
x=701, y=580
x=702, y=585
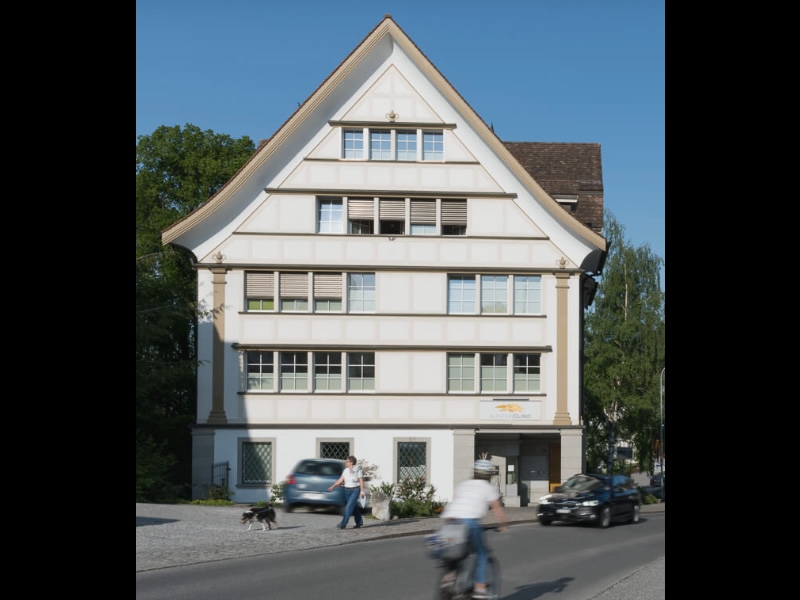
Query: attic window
x=393, y=144
x=567, y=202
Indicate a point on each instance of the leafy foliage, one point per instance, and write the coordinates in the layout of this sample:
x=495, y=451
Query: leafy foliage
x=625, y=352
x=176, y=171
x=415, y=498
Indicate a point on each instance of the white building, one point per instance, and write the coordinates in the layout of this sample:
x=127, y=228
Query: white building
x=386, y=278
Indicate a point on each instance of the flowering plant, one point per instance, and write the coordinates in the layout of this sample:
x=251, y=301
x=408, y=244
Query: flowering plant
x=368, y=469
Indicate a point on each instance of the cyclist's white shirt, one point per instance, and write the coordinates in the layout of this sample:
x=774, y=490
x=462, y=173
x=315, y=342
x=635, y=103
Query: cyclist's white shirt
x=472, y=500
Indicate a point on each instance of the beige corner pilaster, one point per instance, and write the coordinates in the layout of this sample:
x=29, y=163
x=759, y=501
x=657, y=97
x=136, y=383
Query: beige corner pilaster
x=217, y=414
x=562, y=347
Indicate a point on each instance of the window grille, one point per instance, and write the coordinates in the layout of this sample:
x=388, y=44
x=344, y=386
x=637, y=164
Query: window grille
x=257, y=463
x=411, y=460
x=339, y=450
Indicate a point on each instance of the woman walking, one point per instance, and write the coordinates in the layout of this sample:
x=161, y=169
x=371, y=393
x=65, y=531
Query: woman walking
x=353, y=481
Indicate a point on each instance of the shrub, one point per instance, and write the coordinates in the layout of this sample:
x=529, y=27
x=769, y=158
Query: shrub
x=276, y=494
x=415, y=498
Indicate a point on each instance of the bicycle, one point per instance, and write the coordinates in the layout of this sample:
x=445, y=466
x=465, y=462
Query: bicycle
x=461, y=586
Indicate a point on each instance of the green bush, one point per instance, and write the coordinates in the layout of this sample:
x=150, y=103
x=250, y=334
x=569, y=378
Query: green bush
x=276, y=494
x=415, y=498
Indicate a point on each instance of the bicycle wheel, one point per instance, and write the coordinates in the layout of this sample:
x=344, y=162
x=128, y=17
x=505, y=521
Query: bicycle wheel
x=493, y=577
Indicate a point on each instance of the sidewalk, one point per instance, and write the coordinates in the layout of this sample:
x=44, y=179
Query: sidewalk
x=171, y=535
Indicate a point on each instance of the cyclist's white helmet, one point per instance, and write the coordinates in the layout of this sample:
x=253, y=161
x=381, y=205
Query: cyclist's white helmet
x=484, y=468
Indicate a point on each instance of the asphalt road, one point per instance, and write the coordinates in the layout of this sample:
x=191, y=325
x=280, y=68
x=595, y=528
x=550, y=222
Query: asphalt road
x=180, y=535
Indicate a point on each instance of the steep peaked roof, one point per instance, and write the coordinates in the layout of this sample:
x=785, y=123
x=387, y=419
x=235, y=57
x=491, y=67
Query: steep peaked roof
x=386, y=27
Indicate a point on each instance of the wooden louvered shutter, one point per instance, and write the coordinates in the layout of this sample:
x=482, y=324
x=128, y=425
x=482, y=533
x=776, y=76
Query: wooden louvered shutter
x=328, y=286
x=423, y=212
x=393, y=209
x=294, y=285
x=454, y=212
x=260, y=285
x=360, y=208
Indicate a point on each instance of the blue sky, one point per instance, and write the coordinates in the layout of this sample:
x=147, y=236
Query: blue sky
x=538, y=70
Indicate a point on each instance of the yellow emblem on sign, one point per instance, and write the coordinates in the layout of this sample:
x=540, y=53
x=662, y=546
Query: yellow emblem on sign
x=509, y=408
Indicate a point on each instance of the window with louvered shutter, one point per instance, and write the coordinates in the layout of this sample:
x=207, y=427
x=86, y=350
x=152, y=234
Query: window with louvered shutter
x=392, y=209
x=360, y=208
x=454, y=212
x=423, y=212
x=327, y=285
x=294, y=285
x=260, y=285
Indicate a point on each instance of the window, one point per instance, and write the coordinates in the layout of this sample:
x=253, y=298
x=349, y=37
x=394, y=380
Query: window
x=294, y=292
x=260, y=291
x=393, y=144
x=360, y=215
x=331, y=215
x=353, y=141
x=361, y=292
x=526, y=372
x=327, y=292
x=461, y=372
x=380, y=145
x=256, y=467
x=494, y=370
x=527, y=294
x=412, y=460
x=454, y=217
x=432, y=145
x=334, y=449
x=406, y=145
x=461, y=294
x=260, y=370
x=328, y=371
x=361, y=371
x=294, y=371
x=494, y=294
x=423, y=217
x=392, y=215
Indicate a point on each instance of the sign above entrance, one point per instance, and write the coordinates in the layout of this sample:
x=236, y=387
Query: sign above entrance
x=511, y=410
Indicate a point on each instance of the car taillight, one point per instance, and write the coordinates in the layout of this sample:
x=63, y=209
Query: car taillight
x=290, y=479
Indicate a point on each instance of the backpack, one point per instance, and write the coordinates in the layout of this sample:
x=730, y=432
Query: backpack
x=450, y=543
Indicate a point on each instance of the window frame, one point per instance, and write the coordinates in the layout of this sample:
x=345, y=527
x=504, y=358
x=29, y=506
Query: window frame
x=262, y=376
x=294, y=375
x=328, y=377
x=242, y=442
x=362, y=367
x=326, y=206
x=455, y=295
x=359, y=292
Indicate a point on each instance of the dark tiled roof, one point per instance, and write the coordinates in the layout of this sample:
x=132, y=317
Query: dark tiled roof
x=566, y=169
x=561, y=168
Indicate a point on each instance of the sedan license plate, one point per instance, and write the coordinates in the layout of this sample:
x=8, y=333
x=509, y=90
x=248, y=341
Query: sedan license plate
x=563, y=511
x=313, y=495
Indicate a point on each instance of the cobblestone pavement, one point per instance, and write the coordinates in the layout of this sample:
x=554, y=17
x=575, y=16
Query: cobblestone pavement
x=171, y=535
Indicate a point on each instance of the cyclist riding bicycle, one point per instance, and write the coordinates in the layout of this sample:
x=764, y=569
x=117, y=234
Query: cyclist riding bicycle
x=470, y=504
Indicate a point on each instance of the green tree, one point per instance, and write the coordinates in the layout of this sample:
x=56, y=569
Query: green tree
x=625, y=352
x=176, y=171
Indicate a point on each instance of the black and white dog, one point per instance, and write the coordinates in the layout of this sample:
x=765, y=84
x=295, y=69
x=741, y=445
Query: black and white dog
x=265, y=516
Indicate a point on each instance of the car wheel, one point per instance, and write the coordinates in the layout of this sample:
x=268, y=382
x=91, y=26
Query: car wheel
x=635, y=514
x=605, y=518
x=288, y=507
x=545, y=521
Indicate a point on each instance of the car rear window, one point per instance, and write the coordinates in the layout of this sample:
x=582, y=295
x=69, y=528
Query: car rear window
x=319, y=468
